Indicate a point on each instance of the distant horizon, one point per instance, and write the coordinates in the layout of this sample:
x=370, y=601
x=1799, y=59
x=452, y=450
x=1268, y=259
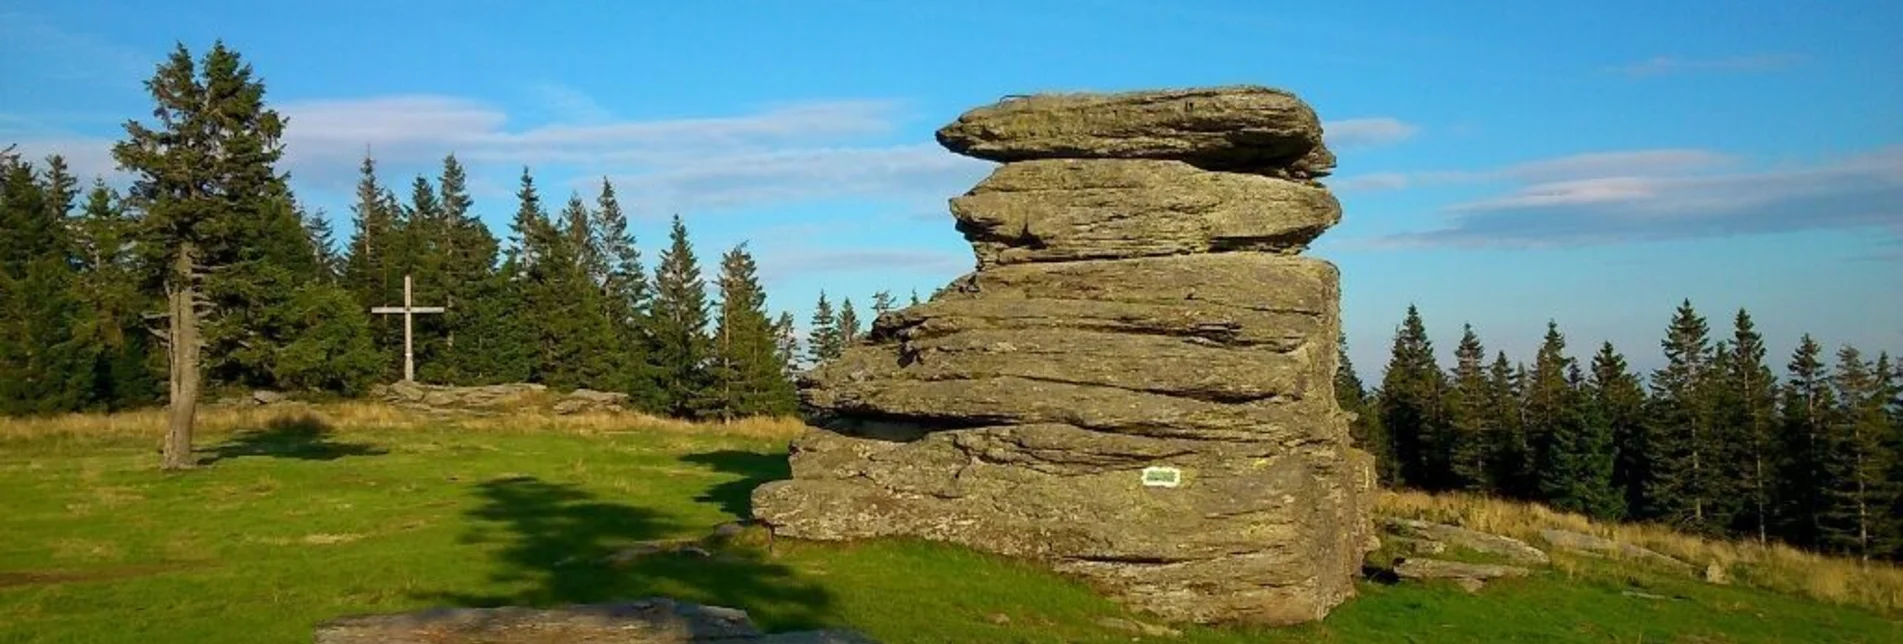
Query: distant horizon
x=1499, y=167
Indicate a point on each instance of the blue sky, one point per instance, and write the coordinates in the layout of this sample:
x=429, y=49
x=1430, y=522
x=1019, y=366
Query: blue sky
x=1501, y=163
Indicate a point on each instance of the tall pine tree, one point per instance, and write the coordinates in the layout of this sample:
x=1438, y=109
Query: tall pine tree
x=373, y=271
x=1855, y=459
x=1508, y=455
x=1411, y=407
x=1617, y=394
x=111, y=327
x=1469, y=441
x=1684, y=478
x=627, y=294
x=1747, y=406
x=39, y=355
x=849, y=331
x=749, y=377
x=200, y=180
x=1580, y=456
x=1807, y=412
x=679, y=327
x=823, y=338
x=1546, y=398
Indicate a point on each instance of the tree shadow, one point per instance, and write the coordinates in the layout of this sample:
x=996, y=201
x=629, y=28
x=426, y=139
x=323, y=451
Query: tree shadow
x=304, y=437
x=560, y=545
x=736, y=497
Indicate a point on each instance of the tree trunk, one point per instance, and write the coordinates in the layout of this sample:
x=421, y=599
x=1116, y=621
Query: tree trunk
x=183, y=362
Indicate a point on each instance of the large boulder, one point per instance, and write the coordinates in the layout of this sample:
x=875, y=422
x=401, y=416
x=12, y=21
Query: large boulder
x=1069, y=209
x=1136, y=384
x=1241, y=128
x=1250, y=532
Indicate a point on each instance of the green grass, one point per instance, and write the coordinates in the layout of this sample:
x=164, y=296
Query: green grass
x=294, y=524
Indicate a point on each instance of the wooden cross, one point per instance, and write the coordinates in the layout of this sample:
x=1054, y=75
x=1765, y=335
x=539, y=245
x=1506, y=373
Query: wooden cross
x=408, y=311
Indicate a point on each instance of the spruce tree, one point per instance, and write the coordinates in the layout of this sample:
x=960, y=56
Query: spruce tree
x=1747, y=408
x=787, y=344
x=330, y=263
x=425, y=256
x=1618, y=396
x=822, y=340
x=1508, y=456
x=679, y=327
x=42, y=363
x=1855, y=461
x=111, y=305
x=197, y=178
x=1546, y=398
x=849, y=331
x=1890, y=383
x=627, y=297
x=373, y=271
x=1685, y=479
x=1469, y=440
x=1411, y=406
x=750, y=378
x=573, y=337
x=914, y=300
x=478, y=320
x=1807, y=411
x=1580, y=455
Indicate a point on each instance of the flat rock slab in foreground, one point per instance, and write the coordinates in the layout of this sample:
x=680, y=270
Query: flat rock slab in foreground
x=644, y=621
x=1242, y=128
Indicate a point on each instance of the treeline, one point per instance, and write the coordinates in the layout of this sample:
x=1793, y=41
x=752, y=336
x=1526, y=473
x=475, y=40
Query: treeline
x=211, y=242
x=1712, y=442
x=565, y=302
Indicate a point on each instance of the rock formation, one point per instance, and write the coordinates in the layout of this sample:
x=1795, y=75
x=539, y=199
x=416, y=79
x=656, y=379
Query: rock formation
x=1135, y=385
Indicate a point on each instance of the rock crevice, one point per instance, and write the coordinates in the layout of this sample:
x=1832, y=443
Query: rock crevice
x=1134, y=386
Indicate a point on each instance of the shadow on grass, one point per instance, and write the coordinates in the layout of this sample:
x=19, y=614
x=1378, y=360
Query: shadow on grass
x=302, y=437
x=736, y=497
x=559, y=544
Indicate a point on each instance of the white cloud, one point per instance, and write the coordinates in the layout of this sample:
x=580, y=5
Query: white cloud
x=1364, y=132
x=1687, y=195
x=775, y=154
x=570, y=104
x=1666, y=65
x=1661, y=162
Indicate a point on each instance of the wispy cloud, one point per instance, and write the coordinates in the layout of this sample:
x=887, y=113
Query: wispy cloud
x=1667, y=65
x=1366, y=132
x=1566, y=202
x=775, y=154
x=570, y=104
x=1577, y=166
x=58, y=53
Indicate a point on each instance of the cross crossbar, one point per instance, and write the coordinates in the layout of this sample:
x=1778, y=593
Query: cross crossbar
x=408, y=310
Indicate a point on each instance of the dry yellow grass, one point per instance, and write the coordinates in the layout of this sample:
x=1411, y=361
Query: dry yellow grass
x=1772, y=566
x=357, y=414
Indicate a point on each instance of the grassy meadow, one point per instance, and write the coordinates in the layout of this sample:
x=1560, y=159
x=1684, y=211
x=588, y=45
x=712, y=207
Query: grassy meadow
x=304, y=514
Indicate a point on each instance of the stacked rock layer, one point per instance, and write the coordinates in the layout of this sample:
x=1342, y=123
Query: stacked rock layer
x=1140, y=302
